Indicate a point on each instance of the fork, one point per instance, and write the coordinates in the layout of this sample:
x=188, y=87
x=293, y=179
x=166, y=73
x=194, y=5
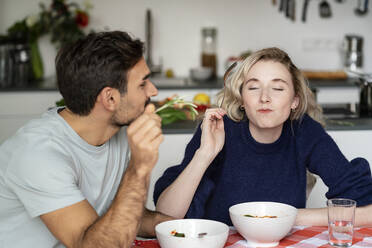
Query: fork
x=224, y=81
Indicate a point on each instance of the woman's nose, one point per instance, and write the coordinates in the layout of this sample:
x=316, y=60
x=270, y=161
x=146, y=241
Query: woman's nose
x=265, y=96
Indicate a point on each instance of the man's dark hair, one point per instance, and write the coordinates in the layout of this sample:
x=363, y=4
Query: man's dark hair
x=99, y=60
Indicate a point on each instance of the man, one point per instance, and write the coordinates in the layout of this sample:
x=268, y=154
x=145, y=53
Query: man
x=79, y=175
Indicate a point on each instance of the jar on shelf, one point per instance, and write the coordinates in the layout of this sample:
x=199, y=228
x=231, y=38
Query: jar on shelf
x=209, y=49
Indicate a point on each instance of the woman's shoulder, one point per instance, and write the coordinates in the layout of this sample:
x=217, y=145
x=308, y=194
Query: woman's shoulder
x=230, y=122
x=307, y=123
x=232, y=126
x=308, y=128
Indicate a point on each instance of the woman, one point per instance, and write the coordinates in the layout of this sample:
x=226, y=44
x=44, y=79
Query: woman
x=258, y=147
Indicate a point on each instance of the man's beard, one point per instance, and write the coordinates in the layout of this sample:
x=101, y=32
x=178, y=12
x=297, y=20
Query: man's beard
x=117, y=123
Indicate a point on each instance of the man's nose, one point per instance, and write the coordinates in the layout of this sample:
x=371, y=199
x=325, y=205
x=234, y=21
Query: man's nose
x=151, y=89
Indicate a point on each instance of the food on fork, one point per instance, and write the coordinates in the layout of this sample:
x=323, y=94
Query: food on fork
x=175, y=108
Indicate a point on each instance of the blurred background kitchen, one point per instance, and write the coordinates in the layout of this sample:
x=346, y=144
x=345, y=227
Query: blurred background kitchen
x=241, y=25
x=190, y=43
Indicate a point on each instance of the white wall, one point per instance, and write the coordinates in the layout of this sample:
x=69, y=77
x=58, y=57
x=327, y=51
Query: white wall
x=241, y=24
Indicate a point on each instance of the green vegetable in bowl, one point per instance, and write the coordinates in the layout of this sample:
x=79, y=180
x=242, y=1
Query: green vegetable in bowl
x=177, y=234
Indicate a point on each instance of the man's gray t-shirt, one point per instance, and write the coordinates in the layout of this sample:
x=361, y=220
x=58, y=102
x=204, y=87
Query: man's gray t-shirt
x=46, y=166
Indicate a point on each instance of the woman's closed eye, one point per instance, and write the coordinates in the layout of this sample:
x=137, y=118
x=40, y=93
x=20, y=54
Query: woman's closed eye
x=278, y=89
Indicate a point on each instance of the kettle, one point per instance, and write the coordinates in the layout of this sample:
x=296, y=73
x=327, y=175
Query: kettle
x=365, y=100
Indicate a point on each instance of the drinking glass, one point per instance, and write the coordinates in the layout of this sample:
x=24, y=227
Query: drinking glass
x=341, y=214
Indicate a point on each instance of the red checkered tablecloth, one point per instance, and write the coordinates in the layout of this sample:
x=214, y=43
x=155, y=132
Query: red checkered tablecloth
x=299, y=237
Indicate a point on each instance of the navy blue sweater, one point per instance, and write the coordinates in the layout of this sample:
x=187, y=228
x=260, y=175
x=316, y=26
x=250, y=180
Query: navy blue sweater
x=246, y=170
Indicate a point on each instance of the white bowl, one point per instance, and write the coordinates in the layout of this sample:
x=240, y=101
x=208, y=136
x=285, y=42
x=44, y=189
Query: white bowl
x=200, y=73
x=263, y=232
x=216, y=233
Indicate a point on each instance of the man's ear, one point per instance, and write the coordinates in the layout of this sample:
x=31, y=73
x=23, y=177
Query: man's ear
x=109, y=98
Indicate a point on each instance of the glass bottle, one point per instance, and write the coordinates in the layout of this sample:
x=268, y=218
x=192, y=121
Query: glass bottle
x=209, y=57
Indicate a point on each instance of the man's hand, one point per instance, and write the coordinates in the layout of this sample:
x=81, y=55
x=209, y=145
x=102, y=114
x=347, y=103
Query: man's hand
x=145, y=137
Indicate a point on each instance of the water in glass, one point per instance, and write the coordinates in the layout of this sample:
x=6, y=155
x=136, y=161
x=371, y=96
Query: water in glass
x=341, y=233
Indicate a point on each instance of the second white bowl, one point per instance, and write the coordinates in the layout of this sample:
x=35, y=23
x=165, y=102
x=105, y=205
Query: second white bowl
x=263, y=232
x=216, y=233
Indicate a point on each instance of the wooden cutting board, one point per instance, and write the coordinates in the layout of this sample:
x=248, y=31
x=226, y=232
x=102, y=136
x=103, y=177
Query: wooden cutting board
x=325, y=74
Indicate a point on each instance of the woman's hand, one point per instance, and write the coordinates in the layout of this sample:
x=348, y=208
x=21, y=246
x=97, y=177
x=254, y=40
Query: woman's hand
x=213, y=132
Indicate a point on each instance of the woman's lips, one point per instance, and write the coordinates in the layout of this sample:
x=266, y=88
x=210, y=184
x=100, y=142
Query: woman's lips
x=264, y=111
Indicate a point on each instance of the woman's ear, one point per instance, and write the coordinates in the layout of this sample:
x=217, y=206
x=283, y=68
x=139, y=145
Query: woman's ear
x=109, y=98
x=295, y=102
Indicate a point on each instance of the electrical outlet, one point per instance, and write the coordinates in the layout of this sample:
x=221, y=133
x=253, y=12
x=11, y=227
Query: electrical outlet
x=320, y=44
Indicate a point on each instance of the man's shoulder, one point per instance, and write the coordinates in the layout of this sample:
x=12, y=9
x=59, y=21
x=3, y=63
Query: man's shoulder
x=47, y=124
x=38, y=138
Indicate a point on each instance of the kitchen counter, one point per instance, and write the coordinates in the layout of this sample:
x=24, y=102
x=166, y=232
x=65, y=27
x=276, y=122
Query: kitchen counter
x=177, y=84
x=49, y=84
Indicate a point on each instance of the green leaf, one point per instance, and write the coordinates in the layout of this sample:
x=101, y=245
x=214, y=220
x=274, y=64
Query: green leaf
x=170, y=115
x=60, y=103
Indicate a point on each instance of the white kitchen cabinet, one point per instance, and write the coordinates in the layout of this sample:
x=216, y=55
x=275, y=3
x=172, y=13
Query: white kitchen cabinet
x=171, y=153
x=17, y=108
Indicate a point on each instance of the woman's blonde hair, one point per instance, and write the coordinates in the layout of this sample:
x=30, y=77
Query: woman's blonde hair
x=236, y=78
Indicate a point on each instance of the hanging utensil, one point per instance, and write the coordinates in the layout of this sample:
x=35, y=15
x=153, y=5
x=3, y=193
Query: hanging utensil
x=148, y=34
x=288, y=8
x=281, y=5
x=155, y=69
x=292, y=10
x=325, y=9
x=304, y=10
x=362, y=7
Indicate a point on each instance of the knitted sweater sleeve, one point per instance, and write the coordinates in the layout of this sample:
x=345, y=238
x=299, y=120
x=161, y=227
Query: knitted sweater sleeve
x=344, y=179
x=206, y=185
